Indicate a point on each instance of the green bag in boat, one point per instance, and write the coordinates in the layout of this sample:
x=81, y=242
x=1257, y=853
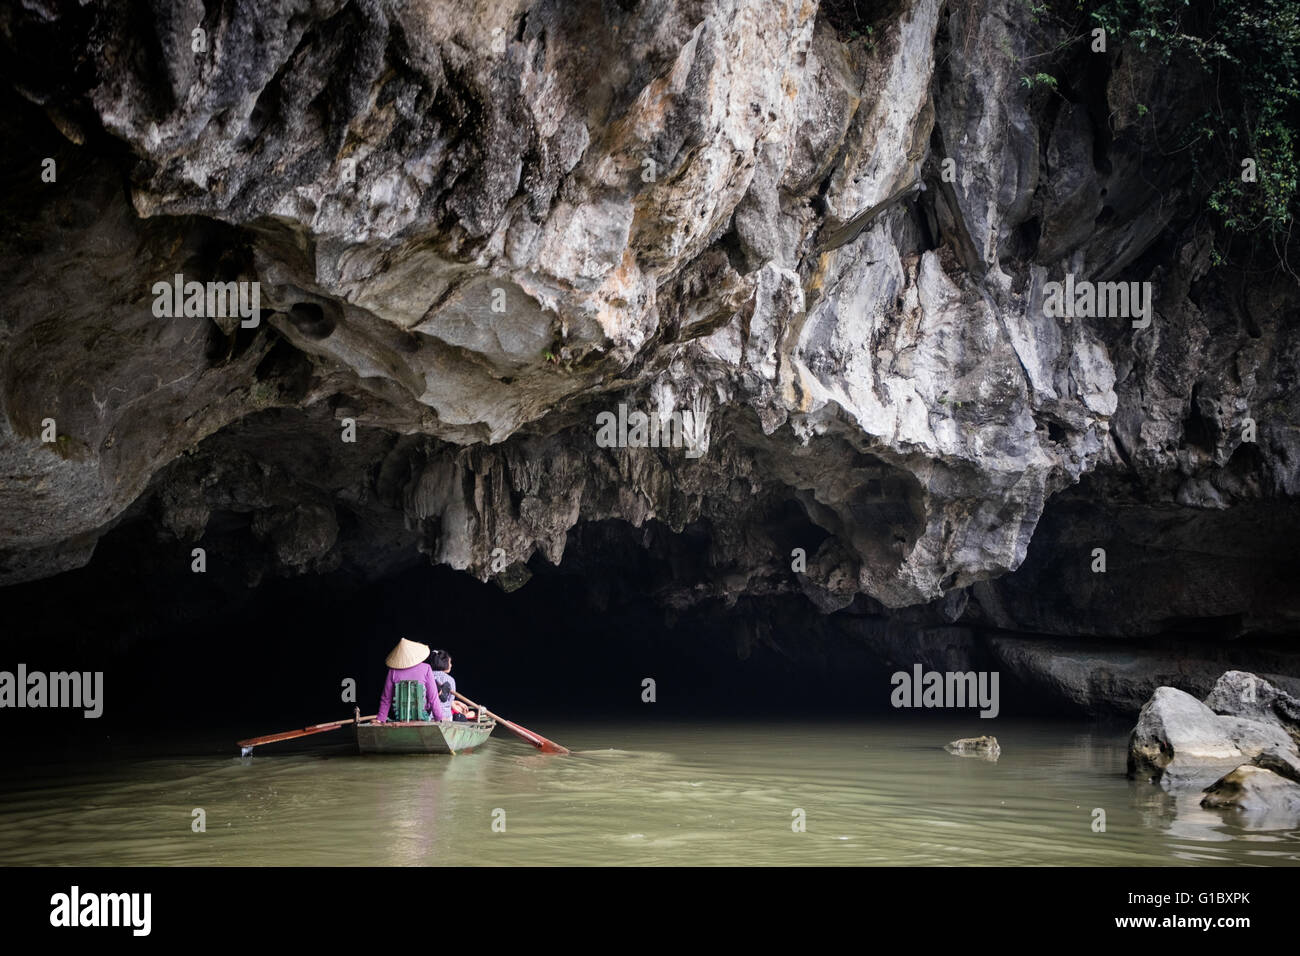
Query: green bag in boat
x=408, y=701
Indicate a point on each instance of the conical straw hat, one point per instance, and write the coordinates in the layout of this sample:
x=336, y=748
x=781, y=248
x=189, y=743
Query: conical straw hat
x=406, y=654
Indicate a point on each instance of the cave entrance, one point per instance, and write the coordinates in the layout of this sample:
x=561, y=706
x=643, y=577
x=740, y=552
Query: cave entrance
x=606, y=635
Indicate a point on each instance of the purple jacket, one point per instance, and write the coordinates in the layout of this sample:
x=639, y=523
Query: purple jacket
x=421, y=672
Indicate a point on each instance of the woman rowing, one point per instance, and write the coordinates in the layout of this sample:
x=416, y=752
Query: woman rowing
x=406, y=662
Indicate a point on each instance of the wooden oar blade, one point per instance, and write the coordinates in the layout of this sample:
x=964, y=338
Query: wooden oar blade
x=246, y=745
x=537, y=740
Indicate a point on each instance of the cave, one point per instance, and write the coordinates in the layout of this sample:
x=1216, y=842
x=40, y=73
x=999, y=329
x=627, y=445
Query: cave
x=314, y=323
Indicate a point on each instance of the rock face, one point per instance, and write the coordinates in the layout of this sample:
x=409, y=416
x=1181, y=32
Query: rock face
x=1117, y=677
x=476, y=227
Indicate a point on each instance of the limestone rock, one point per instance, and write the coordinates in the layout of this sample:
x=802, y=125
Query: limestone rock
x=1180, y=742
x=478, y=226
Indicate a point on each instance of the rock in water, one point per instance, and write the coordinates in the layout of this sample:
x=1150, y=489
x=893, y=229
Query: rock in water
x=1255, y=791
x=986, y=747
x=1180, y=742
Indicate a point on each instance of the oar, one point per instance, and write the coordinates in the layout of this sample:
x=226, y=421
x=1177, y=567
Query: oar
x=247, y=745
x=537, y=740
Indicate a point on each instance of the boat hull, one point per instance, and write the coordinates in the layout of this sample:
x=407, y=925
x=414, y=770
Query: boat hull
x=423, y=737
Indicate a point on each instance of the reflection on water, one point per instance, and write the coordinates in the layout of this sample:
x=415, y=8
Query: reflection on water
x=878, y=793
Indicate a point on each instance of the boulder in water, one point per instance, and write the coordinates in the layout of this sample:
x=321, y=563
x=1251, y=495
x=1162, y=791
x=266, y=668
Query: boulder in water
x=1181, y=742
x=1255, y=791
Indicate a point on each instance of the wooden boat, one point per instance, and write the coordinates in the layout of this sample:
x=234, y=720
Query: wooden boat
x=423, y=736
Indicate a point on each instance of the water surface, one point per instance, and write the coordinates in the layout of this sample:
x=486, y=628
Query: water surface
x=639, y=794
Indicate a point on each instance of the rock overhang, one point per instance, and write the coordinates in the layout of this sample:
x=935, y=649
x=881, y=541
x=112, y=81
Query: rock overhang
x=399, y=178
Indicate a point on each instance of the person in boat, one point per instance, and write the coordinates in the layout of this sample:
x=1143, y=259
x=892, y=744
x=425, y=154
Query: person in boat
x=441, y=663
x=407, y=662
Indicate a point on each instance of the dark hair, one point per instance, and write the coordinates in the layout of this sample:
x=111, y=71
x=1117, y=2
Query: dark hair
x=440, y=660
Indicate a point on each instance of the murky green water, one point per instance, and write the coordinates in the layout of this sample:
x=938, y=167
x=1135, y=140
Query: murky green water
x=875, y=793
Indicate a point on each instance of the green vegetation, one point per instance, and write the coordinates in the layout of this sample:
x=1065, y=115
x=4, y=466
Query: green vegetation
x=1037, y=9
x=1040, y=80
x=866, y=33
x=1247, y=52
